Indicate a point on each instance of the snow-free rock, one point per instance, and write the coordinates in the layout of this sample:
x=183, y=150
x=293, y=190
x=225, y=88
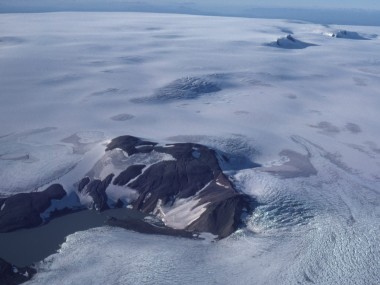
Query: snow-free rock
x=24, y=210
x=182, y=184
x=190, y=192
x=290, y=42
x=343, y=34
x=12, y=275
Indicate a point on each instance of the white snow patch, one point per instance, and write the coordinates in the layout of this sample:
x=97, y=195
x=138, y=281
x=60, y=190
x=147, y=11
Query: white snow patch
x=208, y=237
x=142, y=146
x=182, y=213
x=221, y=184
x=122, y=193
x=116, y=160
x=168, y=145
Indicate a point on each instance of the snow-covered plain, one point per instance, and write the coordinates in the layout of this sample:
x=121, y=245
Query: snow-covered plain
x=309, y=115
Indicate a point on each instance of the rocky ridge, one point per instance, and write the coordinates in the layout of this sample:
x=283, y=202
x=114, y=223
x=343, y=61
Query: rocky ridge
x=188, y=192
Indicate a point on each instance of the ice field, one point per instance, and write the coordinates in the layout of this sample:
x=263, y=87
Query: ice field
x=300, y=99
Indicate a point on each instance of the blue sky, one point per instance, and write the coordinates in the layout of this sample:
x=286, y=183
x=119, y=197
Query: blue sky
x=347, y=4
x=363, y=12
x=209, y=4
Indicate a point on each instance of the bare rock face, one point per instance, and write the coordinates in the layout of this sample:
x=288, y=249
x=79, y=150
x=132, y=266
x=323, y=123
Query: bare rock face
x=181, y=184
x=83, y=183
x=97, y=190
x=127, y=175
x=194, y=175
x=180, y=189
x=131, y=145
x=289, y=42
x=224, y=210
x=12, y=275
x=23, y=210
x=343, y=34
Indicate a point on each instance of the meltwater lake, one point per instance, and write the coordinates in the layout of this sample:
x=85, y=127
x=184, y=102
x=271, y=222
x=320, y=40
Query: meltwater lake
x=27, y=246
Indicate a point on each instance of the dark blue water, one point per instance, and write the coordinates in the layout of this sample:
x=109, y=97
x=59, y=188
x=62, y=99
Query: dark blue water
x=27, y=246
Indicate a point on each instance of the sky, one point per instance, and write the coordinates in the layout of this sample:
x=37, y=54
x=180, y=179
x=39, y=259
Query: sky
x=348, y=4
x=209, y=4
x=366, y=12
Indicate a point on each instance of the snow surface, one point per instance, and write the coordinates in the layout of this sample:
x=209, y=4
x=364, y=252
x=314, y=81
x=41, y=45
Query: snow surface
x=182, y=212
x=289, y=42
x=68, y=73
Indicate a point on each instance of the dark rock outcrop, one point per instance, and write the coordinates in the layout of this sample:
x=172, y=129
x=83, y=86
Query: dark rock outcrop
x=223, y=213
x=23, y=210
x=191, y=181
x=194, y=167
x=343, y=34
x=289, y=42
x=195, y=173
x=83, y=183
x=127, y=175
x=97, y=190
x=147, y=228
x=131, y=145
x=12, y=275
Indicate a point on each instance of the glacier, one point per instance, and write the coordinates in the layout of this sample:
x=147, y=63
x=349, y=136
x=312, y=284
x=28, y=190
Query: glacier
x=69, y=82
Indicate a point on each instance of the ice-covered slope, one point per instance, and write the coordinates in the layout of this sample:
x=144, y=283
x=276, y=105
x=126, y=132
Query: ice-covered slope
x=289, y=42
x=309, y=116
